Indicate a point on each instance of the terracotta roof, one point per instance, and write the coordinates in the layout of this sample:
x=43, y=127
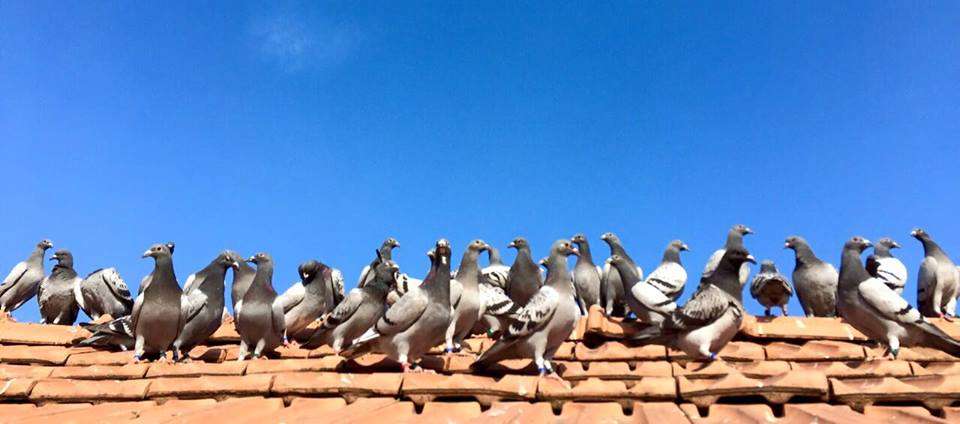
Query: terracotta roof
x=783, y=369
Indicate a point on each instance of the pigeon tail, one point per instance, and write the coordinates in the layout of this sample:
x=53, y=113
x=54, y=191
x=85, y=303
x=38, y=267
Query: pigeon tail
x=493, y=355
x=938, y=339
x=650, y=334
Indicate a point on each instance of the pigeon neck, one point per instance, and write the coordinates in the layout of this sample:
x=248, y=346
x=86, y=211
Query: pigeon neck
x=881, y=251
x=36, y=257
x=386, y=252
x=727, y=278
x=262, y=280
x=163, y=274
x=671, y=255
x=469, y=270
x=64, y=270
x=734, y=239
x=378, y=288
x=557, y=275
x=441, y=280
x=805, y=254
x=628, y=274
x=617, y=249
x=585, y=256
x=931, y=248
x=852, y=272
x=494, y=256
x=524, y=257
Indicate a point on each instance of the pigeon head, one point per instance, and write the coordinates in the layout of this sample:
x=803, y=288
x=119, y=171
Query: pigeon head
x=45, y=244
x=387, y=271
x=227, y=259
x=478, y=246
x=735, y=257
x=610, y=238
x=679, y=245
x=443, y=251
x=390, y=243
x=888, y=243
x=63, y=258
x=308, y=270
x=518, y=243
x=741, y=229
x=158, y=251
x=564, y=247
x=768, y=266
x=919, y=234
x=857, y=243
x=579, y=239
x=794, y=242
x=171, y=245
x=260, y=259
x=616, y=260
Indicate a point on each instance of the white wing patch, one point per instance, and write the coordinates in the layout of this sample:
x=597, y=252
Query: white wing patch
x=654, y=299
x=886, y=301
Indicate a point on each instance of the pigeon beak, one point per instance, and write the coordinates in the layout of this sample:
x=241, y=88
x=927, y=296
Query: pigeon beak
x=914, y=233
x=751, y=259
x=511, y=245
x=147, y=253
x=574, y=252
x=867, y=243
x=786, y=245
x=747, y=230
x=235, y=265
x=684, y=247
x=895, y=245
x=252, y=259
x=53, y=258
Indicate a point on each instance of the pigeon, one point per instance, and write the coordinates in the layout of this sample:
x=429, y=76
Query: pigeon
x=523, y=279
x=734, y=238
x=417, y=322
x=114, y=334
x=645, y=300
x=156, y=318
x=385, y=251
x=260, y=320
x=937, y=281
x=242, y=278
x=669, y=277
x=877, y=311
x=58, y=304
x=815, y=280
x=201, y=305
x=710, y=319
x=358, y=312
x=586, y=275
x=495, y=273
x=307, y=300
x=883, y=265
x=103, y=292
x=771, y=288
x=465, y=297
x=611, y=290
x=145, y=281
x=545, y=321
x=23, y=280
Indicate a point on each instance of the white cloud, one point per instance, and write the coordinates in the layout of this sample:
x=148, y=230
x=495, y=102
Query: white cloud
x=293, y=45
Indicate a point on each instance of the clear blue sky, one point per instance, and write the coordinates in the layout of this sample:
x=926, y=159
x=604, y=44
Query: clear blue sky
x=316, y=129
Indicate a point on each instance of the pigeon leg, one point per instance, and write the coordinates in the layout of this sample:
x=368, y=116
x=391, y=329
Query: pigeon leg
x=783, y=310
x=767, y=313
x=243, y=351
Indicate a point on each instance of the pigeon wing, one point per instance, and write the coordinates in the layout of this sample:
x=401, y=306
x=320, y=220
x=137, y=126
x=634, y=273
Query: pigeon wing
x=406, y=311
x=535, y=314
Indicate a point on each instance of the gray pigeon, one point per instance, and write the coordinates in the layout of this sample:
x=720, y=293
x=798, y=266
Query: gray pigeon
x=358, y=312
x=883, y=265
x=260, y=319
x=815, y=280
x=706, y=323
x=103, y=292
x=771, y=288
x=937, y=281
x=201, y=305
x=645, y=300
x=669, y=277
x=465, y=297
x=242, y=278
x=115, y=334
x=586, y=275
x=495, y=273
x=156, y=318
x=386, y=252
x=611, y=290
x=417, y=322
x=23, y=280
x=307, y=300
x=58, y=304
x=873, y=308
x=523, y=280
x=545, y=322
x=734, y=239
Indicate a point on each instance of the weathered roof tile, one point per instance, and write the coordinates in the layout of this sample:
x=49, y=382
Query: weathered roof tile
x=797, y=328
x=422, y=388
x=617, y=351
x=63, y=390
x=16, y=388
x=717, y=369
x=857, y=369
x=777, y=389
x=102, y=372
x=816, y=350
x=350, y=386
x=210, y=386
x=40, y=334
x=196, y=369
x=40, y=355
x=933, y=391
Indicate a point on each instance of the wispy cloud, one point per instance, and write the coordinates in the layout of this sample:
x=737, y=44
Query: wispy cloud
x=293, y=44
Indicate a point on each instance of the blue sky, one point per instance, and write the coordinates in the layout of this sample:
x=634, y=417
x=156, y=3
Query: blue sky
x=316, y=129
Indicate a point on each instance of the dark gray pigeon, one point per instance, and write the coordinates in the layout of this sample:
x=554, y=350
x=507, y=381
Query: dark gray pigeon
x=734, y=239
x=23, y=280
x=523, y=279
x=156, y=318
x=417, y=322
x=586, y=275
x=545, y=322
x=202, y=302
x=883, y=265
x=815, y=280
x=771, y=288
x=103, y=292
x=145, y=281
x=242, y=278
x=358, y=312
x=873, y=308
x=706, y=323
x=58, y=304
x=611, y=291
x=465, y=297
x=260, y=317
x=938, y=280
x=307, y=300
x=386, y=252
